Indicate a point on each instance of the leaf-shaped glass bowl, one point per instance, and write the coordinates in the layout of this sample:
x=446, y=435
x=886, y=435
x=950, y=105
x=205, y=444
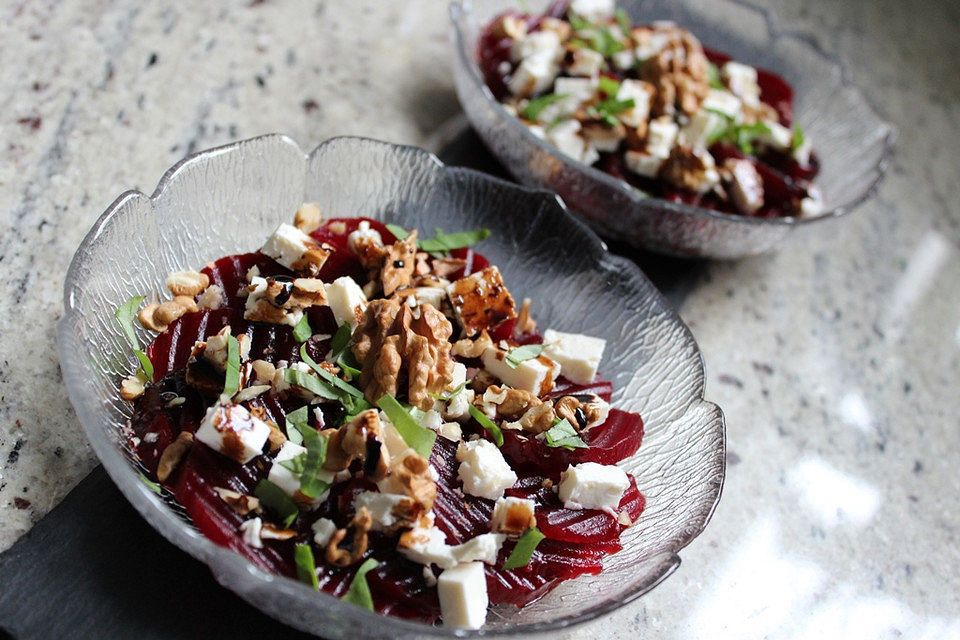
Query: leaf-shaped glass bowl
x=227, y=200
x=852, y=141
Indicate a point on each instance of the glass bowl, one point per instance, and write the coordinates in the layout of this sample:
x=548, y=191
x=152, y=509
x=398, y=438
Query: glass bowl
x=227, y=200
x=852, y=141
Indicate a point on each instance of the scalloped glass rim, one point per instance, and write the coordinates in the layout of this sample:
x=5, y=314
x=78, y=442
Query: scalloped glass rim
x=265, y=178
x=460, y=12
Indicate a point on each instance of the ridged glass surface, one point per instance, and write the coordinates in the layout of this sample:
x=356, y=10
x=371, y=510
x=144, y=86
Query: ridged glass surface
x=228, y=200
x=853, y=143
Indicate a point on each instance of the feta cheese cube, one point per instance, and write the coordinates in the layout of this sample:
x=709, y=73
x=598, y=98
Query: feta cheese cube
x=459, y=406
x=513, y=516
x=539, y=44
x=565, y=136
x=661, y=136
x=640, y=92
x=290, y=247
x=536, y=375
x=593, y=486
x=386, y=509
x=533, y=76
x=581, y=89
x=741, y=79
x=779, y=136
x=288, y=481
x=592, y=10
x=643, y=164
x=451, y=431
x=463, y=596
x=483, y=470
x=322, y=531
x=251, y=530
x=363, y=235
x=625, y=59
x=481, y=301
x=483, y=548
x=427, y=545
x=430, y=295
x=722, y=101
x=345, y=298
x=586, y=62
x=229, y=429
x=702, y=125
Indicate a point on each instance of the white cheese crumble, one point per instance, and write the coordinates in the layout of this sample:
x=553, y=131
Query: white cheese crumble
x=463, y=596
x=251, y=529
x=535, y=375
x=345, y=298
x=578, y=355
x=593, y=486
x=229, y=429
x=483, y=470
x=322, y=531
x=287, y=244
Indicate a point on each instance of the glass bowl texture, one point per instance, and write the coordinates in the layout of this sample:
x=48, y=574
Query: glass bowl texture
x=227, y=200
x=851, y=140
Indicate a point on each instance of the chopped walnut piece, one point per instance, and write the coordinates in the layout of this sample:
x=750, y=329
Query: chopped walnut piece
x=525, y=323
x=445, y=267
x=481, y=301
x=690, y=169
x=422, y=267
x=276, y=437
x=239, y=502
x=170, y=311
x=131, y=388
x=561, y=27
x=359, y=438
x=308, y=217
x=312, y=260
x=145, y=316
x=467, y=348
x=271, y=532
x=263, y=371
x=173, y=454
x=367, y=245
x=514, y=402
x=678, y=71
x=582, y=411
x=187, y=283
x=538, y=419
x=282, y=301
x=339, y=557
x=414, y=477
x=395, y=348
x=398, y=264
x=510, y=26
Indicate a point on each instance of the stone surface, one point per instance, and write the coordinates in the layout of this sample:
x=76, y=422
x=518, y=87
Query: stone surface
x=835, y=360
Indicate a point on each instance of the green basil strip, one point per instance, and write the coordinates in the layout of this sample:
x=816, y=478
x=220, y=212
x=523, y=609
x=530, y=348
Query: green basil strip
x=522, y=354
x=329, y=377
x=302, y=332
x=231, y=383
x=420, y=438
x=453, y=394
x=311, y=383
x=487, y=424
x=274, y=498
x=125, y=315
x=296, y=421
x=536, y=106
x=450, y=241
x=608, y=86
x=150, y=484
x=523, y=551
x=564, y=435
x=359, y=591
x=310, y=484
x=340, y=340
x=623, y=20
x=399, y=232
x=306, y=565
x=798, y=138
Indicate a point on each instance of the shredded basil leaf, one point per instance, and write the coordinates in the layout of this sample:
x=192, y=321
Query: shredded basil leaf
x=798, y=138
x=331, y=379
x=523, y=551
x=449, y=241
x=596, y=37
x=623, y=20
x=522, y=354
x=359, y=591
x=231, y=383
x=453, y=394
x=310, y=483
x=311, y=383
x=306, y=565
x=274, y=498
x=340, y=340
x=608, y=86
x=296, y=421
x=487, y=424
x=536, y=106
x=153, y=486
x=302, y=332
x=125, y=315
x=564, y=435
x=399, y=232
x=714, y=75
x=742, y=135
x=420, y=438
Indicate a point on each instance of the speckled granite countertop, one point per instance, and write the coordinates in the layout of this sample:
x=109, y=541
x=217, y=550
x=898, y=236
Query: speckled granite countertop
x=836, y=361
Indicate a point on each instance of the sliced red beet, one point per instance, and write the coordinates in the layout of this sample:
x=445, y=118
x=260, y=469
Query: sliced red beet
x=598, y=387
x=577, y=526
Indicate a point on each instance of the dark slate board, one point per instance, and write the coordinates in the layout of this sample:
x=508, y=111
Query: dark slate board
x=92, y=568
